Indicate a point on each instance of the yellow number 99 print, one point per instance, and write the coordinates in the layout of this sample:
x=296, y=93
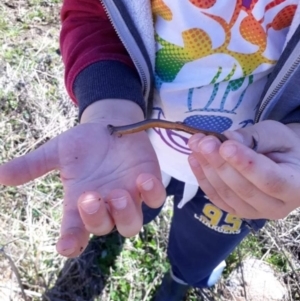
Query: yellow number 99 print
x=218, y=220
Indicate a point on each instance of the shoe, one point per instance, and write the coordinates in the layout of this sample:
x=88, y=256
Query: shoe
x=171, y=290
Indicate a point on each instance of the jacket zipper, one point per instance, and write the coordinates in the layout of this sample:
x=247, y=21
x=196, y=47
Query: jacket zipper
x=285, y=73
x=129, y=43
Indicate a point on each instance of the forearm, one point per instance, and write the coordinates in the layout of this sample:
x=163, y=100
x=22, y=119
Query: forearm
x=97, y=66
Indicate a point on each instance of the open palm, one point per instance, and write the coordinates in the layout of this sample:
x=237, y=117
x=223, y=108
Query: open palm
x=98, y=169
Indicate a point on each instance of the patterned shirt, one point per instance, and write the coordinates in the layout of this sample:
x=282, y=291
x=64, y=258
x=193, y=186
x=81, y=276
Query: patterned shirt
x=213, y=58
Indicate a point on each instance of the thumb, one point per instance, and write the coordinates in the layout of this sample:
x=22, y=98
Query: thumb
x=30, y=166
x=265, y=137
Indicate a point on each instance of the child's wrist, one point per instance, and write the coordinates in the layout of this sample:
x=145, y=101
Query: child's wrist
x=120, y=110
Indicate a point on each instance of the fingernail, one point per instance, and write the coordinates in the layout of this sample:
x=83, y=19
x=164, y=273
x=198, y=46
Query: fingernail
x=193, y=161
x=119, y=203
x=229, y=150
x=194, y=143
x=66, y=245
x=235, y=135
x=90, y=206
x=207, y=146
x=148, y=185
x=68, y=252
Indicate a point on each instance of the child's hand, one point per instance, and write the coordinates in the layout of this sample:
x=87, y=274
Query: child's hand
x=104, y=177
x=251, y=184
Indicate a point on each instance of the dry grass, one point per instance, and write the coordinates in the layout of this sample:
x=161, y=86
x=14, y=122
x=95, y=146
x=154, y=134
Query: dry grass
x=34, y=108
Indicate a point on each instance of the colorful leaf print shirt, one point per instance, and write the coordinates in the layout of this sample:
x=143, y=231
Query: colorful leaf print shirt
x=213, y=58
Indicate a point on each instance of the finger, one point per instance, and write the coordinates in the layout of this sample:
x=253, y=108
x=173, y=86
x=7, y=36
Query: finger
x=94, y=213
x=270, y=136
x=237, y=191
x=198, y=163
x=126, y=213
x=231, y=185
x=206, y=186
x=73, y=235
x=252, y=202
x=30, y=166
x=152, y=191
x=72, y=242
x=213, y=165
x=258, y=169
x=223, y=195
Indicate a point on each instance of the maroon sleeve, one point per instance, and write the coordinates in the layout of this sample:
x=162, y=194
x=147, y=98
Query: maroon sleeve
x=88, y=43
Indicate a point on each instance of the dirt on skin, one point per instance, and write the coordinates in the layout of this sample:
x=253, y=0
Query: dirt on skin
x=32, y=92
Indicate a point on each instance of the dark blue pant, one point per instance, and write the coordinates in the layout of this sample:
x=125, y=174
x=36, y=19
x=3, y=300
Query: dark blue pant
x=201, y=235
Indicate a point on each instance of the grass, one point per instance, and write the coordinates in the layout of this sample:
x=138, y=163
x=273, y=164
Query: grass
x=34, y=108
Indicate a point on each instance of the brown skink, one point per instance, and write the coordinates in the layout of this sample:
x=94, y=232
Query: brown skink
x=157, y=123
